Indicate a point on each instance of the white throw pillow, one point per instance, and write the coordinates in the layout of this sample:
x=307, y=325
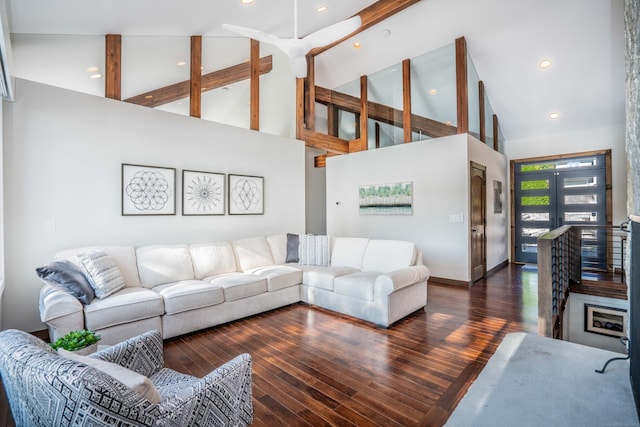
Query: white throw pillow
x=135, y=381
x=103, y=274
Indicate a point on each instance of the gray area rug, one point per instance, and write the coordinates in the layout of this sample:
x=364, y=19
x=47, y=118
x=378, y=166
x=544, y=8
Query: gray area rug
x=537, y=381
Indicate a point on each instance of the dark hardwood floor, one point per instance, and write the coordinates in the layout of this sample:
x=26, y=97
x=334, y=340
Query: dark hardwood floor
x=315, y=367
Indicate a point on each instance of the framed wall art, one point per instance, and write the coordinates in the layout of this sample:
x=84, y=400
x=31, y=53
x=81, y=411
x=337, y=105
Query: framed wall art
x=246, y=195
x=148, y=190
x=497, y=196
x=202, y=193
x=386, y=199
x=605, y=320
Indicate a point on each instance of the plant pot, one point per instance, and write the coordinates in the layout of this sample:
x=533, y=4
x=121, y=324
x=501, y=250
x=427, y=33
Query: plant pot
x=87, y=350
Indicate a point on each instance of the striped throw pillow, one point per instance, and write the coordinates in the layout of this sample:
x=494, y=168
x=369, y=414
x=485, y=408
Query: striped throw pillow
x=103, y=274
x=313, y=250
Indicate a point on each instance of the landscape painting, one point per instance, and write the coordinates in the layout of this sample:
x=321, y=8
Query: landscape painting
x=386, y=199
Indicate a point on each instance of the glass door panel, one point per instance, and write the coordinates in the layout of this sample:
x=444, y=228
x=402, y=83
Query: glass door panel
x=550, y=194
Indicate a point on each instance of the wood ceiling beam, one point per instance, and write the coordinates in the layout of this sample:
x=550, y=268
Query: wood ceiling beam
x=195, y=81
x=113, y=66
x=462, y=86
x=324, y=142
x=364, y=116
x=370, y=16
x=210, y=81
x=383, y=113
x=254, y=93
x=406, y=100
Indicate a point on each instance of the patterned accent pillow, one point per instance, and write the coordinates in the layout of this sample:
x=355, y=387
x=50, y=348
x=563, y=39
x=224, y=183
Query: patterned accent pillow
x=103, y=274
x=314, y=250
x=67, y=277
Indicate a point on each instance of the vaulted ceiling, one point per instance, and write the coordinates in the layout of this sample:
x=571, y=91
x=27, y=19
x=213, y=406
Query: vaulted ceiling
x=506, y=40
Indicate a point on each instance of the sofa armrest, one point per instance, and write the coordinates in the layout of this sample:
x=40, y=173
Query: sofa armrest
x=225, y=392
x=61, y=312
x=142, y=354
x=389, y=282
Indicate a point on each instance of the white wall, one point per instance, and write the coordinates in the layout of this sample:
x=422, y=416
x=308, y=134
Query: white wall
x=316, y=190
x=439, y=170
x=576, y=312
x=63, y=152
x=600, y=138
x=497, y=224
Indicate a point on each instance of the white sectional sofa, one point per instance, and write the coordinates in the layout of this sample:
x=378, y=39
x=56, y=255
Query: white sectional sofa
x=178, y=289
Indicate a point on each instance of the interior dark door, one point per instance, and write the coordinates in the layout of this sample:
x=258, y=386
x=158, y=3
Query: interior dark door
x=477, y=222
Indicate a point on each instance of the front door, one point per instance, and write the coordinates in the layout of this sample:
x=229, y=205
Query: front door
x=477, y=222
x=553, y=193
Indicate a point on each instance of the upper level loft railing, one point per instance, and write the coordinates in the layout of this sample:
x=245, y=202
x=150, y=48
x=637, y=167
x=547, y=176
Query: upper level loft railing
x=436, y=94
x=570, y=259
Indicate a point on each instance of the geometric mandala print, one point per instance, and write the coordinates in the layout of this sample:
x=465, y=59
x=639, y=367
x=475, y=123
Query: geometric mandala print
x=246, y=195
x=204, y=194
x=148, y=190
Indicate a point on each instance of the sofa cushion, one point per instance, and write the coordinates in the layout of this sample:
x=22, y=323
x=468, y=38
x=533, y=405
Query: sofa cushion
x=348, y=252
x=123, y=256
x=125, y=306
x=212, y=258
x=239, y=285
x=388, y=255
x=135, y=381
x=323, y=277
x=103, y=274
x=279, y=276
x=278, y=245
x=189, y=295
x=159, y=264
x=252, y=253
x=68, y=277
x=357, y=285
x=314, y=250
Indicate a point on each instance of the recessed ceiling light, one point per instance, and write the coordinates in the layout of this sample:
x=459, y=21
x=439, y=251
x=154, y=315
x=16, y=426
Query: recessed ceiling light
x=386, y=33
x=449, y=123
x=91, y=69
x=433, y=91
x=246, y=1
x=554, y=116
x=357, y=45
x=95, y=76
x=181, y=63
x=545, y=63
x=322, y=9
x=148, y=97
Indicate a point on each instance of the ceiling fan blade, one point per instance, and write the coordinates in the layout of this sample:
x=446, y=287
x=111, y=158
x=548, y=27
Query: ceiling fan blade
x=298, y=65
x=333, y=32
x=253, y=34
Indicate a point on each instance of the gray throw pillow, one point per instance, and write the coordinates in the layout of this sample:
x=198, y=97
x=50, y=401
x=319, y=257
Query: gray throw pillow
x=103, y=274
x=293, y=240
x=67, y=277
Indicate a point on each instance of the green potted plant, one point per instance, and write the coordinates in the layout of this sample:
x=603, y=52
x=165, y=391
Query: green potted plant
x=82, y=342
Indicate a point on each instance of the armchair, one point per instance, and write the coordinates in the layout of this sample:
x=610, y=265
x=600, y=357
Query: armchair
x=45, y=389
